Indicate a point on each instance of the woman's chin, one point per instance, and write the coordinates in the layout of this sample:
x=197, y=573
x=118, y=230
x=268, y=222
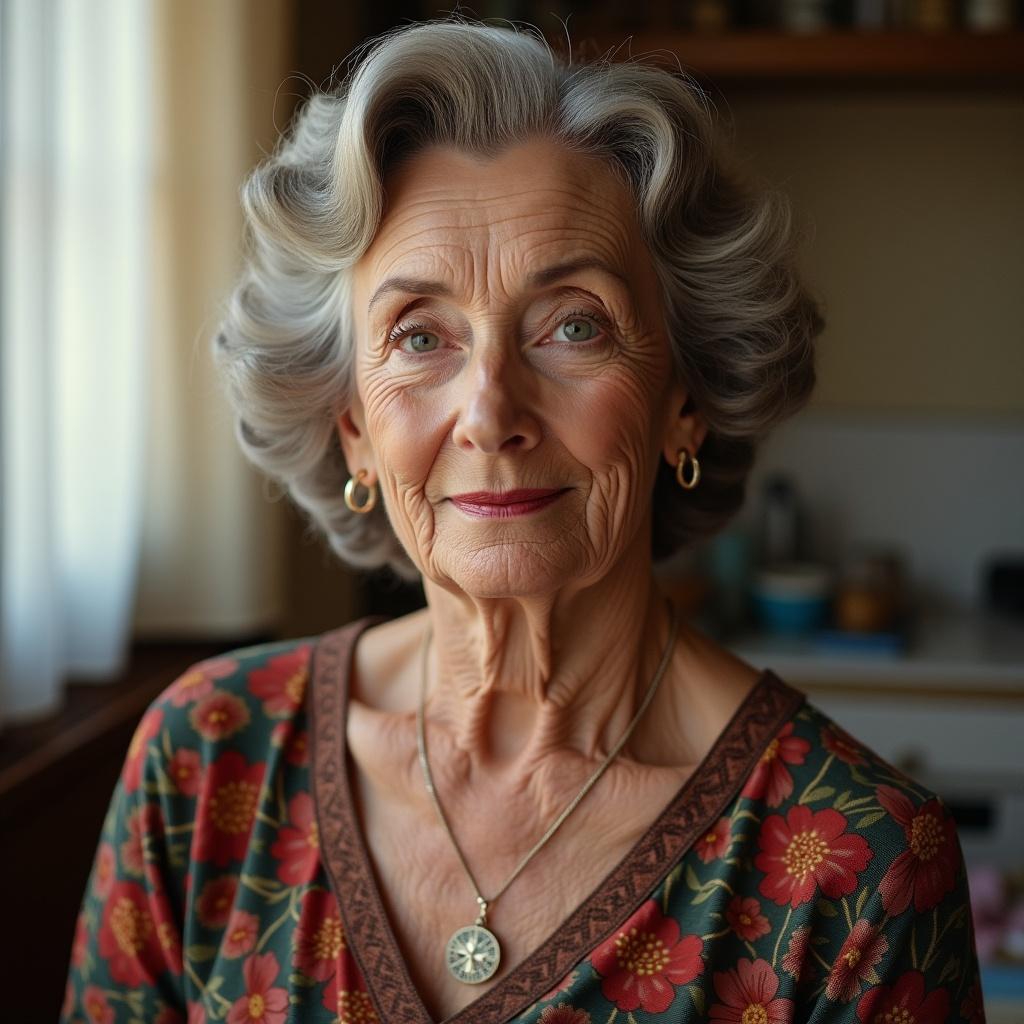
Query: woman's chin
x=510, y=569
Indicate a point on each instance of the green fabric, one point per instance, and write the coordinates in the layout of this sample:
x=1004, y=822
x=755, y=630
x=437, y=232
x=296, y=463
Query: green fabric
x=833, y=889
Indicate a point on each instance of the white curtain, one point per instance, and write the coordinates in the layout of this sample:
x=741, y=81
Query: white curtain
x=75, y=181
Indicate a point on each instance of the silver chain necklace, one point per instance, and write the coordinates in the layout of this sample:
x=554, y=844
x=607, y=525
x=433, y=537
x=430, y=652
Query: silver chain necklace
x=473, y=952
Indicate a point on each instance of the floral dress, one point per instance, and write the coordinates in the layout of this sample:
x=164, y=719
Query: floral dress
x=795, y=876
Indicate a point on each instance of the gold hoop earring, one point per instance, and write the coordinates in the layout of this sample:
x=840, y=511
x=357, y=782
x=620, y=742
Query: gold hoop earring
x=350, y=489
x=692, y=482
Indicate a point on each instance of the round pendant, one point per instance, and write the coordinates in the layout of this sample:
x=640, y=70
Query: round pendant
x=472, y=954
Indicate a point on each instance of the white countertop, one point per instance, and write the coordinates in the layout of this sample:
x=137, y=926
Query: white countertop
x=948, y=650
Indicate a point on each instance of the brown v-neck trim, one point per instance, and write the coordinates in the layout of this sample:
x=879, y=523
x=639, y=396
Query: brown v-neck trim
x=700, y=801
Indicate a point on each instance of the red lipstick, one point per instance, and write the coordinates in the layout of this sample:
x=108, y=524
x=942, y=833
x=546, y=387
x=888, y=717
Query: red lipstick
x=505, y=504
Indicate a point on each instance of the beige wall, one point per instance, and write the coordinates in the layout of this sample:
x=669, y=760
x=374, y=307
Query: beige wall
x=212, y=560
x=917, y=208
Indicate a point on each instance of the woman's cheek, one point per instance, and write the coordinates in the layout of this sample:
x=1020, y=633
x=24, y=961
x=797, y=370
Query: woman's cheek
x=607, y=420
x=609, y=429
x=407, y=430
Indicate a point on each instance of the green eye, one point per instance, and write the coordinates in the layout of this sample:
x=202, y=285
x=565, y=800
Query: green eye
x=422, y=341
x=578, y=327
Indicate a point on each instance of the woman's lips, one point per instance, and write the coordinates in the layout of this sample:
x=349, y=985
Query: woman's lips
x=506, y=504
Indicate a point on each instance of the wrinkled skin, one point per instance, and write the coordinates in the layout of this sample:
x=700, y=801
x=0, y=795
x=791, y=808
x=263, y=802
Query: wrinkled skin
x=547, y=628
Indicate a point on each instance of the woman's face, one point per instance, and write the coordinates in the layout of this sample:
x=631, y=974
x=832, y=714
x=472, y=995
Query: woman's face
x=510, y=336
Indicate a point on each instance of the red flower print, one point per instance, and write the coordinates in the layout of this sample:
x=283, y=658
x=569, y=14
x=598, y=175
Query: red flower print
x=747, y=993
x=298, y=847
x=319, y=938
x=904, y=1002
x=196, y=1013
x=104, y=870
x=971, y=1008
x=227, y=808
x=771, y=780
x=715, y=842
x=198, y=681
x=216, y=900
x=128, y=936
x=346, y=995
x=219, y=715
x=645, y=959
x=169, y=1015
x=184, y=769
x=797, y=962
x=745, y=918
x=262, y=1003
x=281, y=683
x=840, y=743
x=563, y=986
x=134, y=762
x=240, y=934
x=80, y=944
x=863, y=949
x=927, y=871
x=131, y=855
x=807, y=851
x=97, y=1009
x=563, y=1013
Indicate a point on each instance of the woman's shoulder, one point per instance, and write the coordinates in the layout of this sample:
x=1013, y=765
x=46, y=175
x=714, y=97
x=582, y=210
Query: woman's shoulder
x=246, y=690
x=833, y=884
x=892, y=835
x=817, y=743
x=813, y=760
x=213, y=800
x=244, y=703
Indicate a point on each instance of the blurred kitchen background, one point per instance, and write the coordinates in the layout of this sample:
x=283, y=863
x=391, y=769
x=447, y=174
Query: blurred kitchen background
x=878, y=563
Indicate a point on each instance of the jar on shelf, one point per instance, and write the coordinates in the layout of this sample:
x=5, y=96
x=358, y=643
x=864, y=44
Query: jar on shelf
x=805, y=15
x=871, y=596
x=932, y=15
x=709, y=16
x=989, y=15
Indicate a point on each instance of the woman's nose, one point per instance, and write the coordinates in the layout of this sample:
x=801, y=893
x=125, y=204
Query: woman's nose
x=494, y=414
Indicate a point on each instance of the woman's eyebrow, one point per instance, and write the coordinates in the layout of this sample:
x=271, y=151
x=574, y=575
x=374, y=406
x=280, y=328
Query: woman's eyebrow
x=538, y=279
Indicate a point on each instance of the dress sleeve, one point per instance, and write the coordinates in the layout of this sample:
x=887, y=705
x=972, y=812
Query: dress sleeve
x=907, y=948
x=126, y=962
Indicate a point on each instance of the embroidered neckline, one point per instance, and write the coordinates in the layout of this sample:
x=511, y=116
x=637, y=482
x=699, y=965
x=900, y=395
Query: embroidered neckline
x=699, y=802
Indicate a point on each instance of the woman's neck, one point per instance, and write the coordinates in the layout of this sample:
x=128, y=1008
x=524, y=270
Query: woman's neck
x=511, y=680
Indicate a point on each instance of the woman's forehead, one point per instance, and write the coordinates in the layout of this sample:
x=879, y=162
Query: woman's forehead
x=531, y=207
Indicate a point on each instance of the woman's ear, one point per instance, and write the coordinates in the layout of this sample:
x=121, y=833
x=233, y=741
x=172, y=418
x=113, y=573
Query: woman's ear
x=684, y=426
x=355, y=442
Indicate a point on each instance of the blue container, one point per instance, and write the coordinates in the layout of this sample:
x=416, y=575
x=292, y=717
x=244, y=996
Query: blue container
x=792, y=597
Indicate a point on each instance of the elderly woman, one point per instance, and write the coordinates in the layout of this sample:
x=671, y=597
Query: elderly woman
x=514, y=328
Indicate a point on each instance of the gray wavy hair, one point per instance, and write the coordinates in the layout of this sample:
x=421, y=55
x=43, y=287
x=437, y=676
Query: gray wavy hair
x=724, y=248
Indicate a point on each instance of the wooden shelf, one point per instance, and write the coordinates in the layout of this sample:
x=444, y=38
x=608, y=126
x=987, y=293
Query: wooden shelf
x=839, y=56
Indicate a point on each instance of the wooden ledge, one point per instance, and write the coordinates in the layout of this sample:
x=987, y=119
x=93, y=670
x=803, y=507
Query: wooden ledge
x=95, y=718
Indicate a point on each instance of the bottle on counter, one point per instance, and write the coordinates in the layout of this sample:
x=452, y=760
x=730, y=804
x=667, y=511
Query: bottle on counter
x=729, y=567
x=781, y=521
